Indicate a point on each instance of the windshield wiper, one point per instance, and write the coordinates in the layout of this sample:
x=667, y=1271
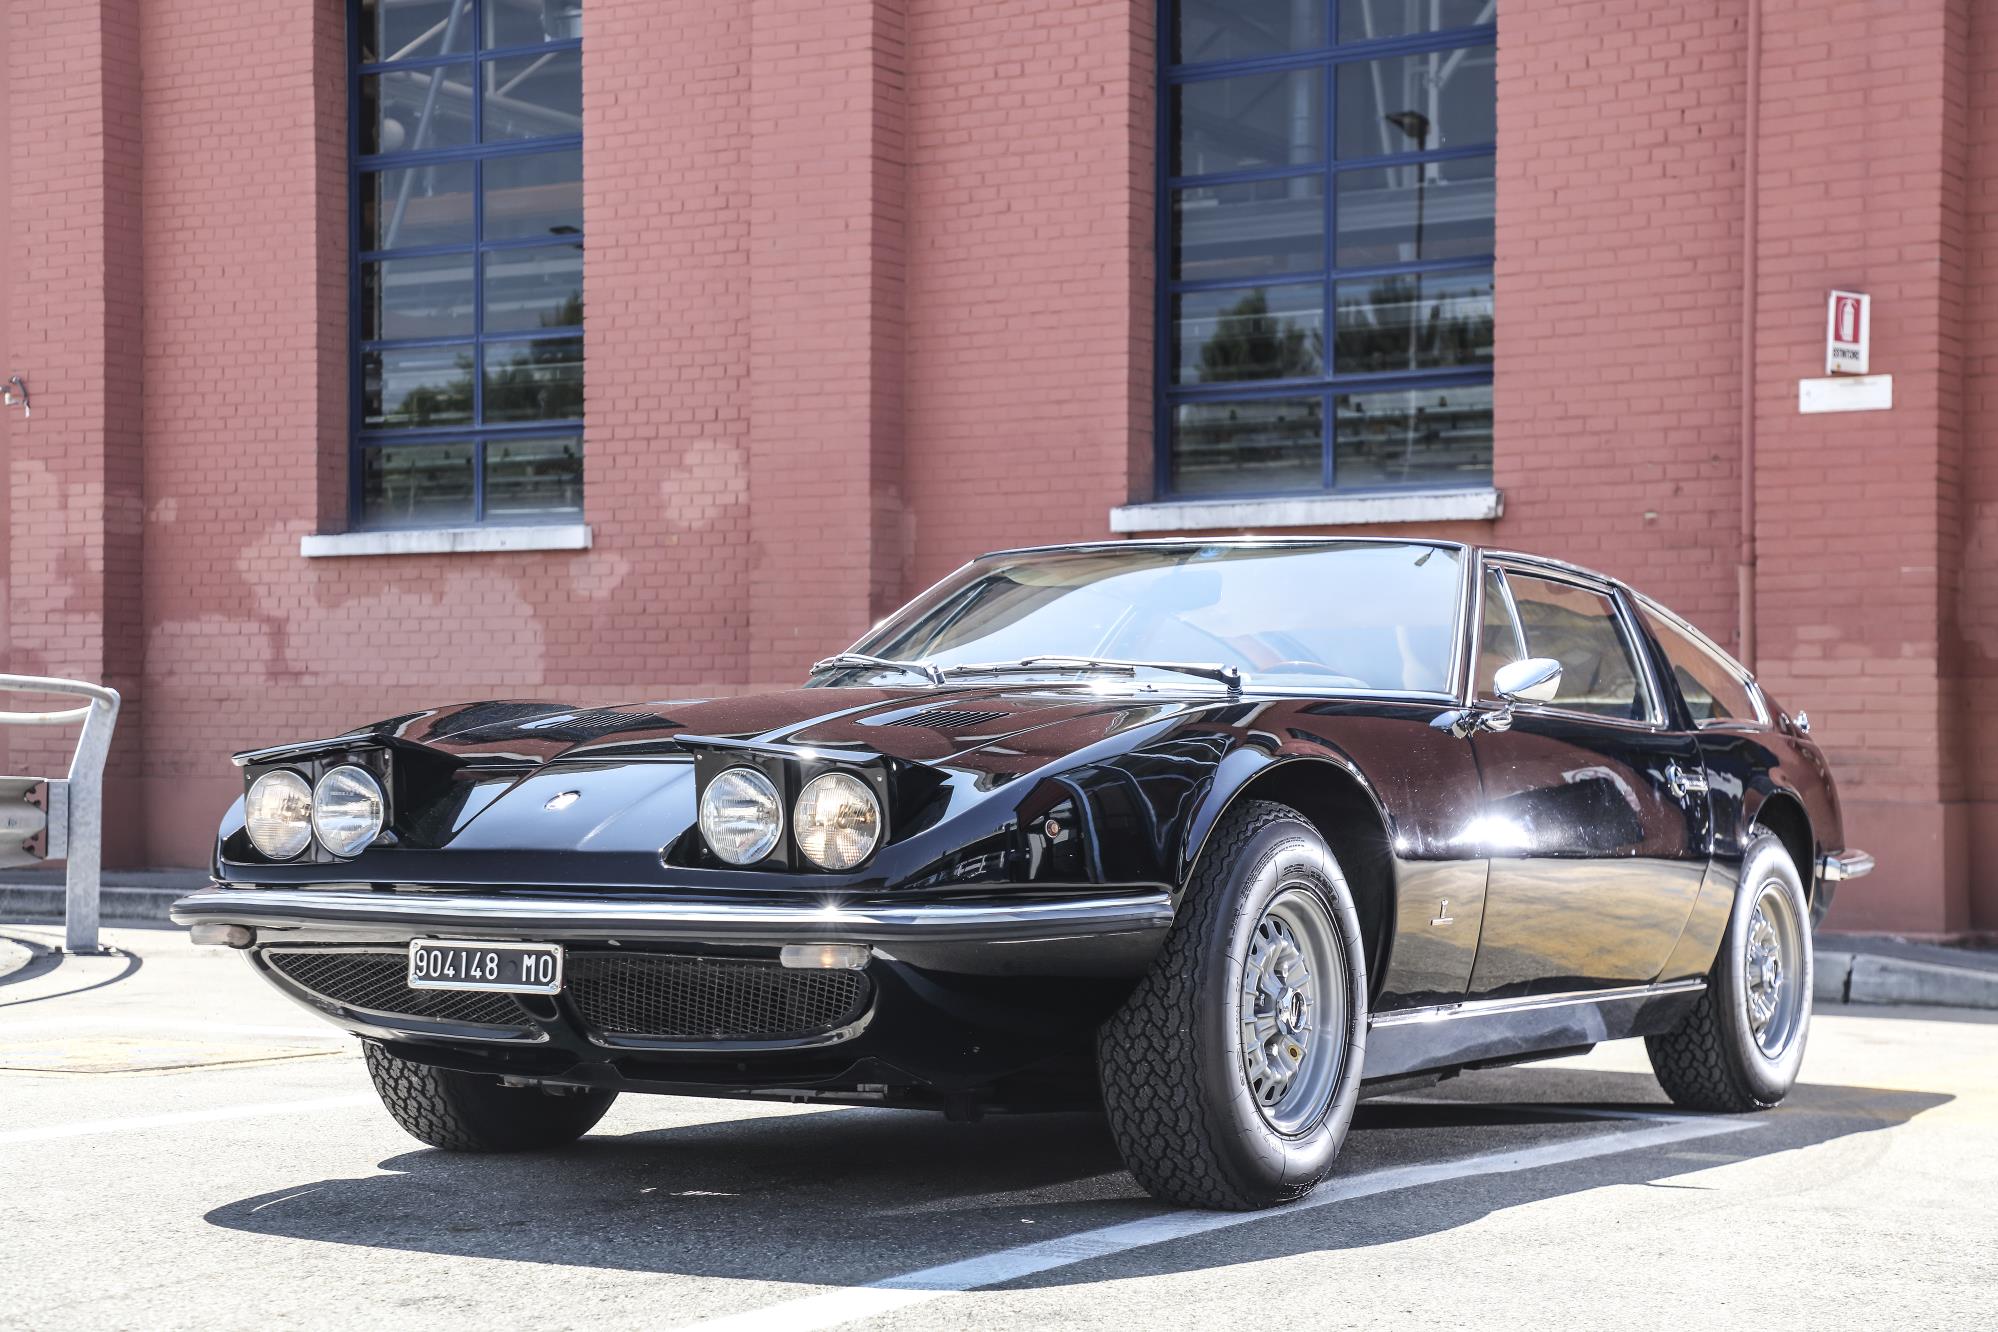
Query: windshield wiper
x=848, y=660
x=1227, y=675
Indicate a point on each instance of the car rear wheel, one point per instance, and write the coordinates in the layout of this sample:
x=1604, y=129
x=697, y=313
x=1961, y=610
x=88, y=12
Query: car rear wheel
x=1230, y=1074
x=475, y=1112
x=1741, y=1046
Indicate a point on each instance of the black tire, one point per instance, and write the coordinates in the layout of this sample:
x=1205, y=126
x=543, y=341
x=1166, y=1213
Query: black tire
x=474, y=1112
x=1712, y=1060
x=1175, y=1087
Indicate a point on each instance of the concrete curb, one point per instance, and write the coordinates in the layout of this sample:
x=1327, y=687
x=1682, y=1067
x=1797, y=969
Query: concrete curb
x=1863, y=978
x=43, y=904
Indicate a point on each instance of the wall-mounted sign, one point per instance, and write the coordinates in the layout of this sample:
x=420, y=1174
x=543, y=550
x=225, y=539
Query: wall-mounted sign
x=1848, y=331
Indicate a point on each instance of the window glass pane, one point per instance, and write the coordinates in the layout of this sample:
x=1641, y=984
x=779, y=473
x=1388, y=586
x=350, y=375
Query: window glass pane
x=1234, y=29
x=531, y=22
x=533, y=97
x=1249, y=230
x=1410, y=103
x=417, y=298
x=1260, y=120
x=1403, y=214
x=1247, y=447
x=416, y=485
x=410, y=109
x=530, y=289
x=1413, y=321
x=416, y=386
x=1499, y=642
x=1261, y=333
x=1578, y=628
x=537, y=195
x=1713, y=689
x=534, y=478
x=536, y=380
x=409, y=29
x=430, y=205
x=1364, y=20
x=1399, y=437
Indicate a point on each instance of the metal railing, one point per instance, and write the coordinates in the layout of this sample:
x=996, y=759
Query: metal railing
x=62, y=818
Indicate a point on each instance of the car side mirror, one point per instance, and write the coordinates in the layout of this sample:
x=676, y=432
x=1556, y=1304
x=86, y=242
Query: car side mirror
x=1535, y=680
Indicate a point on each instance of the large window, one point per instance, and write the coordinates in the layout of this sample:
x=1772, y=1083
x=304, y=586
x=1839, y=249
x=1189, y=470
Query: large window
x=468, y=272
x=1326, y=241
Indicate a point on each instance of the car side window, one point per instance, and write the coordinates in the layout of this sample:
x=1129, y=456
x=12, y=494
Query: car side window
x=1580, y=629
x=1499, y=641
x=1714, y=689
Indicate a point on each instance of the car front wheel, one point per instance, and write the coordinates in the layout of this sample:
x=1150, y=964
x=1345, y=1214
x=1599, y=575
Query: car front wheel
x=475, y=1112
x=1741, y=1046
x=1230, y=1074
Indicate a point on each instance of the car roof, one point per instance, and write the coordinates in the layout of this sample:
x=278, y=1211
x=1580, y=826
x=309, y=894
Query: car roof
x=1267, y=542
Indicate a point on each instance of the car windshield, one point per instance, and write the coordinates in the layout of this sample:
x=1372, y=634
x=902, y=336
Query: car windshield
x=1359, y=615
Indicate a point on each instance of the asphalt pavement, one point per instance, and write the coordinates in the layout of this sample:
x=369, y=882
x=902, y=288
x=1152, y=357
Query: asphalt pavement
x=180, y=1147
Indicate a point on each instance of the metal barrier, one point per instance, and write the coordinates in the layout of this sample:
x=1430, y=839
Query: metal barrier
x=62, y=818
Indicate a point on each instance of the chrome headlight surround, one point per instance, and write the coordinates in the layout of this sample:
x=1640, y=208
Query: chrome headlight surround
x=277, y=814
x=348, y=810
x=837, y=821
x=742, y=815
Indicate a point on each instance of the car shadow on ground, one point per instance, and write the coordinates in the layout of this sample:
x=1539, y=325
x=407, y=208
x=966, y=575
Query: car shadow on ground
x=848, y=1197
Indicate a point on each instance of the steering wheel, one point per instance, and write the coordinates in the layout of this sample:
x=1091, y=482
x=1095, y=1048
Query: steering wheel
x=1293, y=666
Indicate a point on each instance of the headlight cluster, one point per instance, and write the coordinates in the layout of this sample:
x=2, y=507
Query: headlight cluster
x=344, y=811
x=836, y=820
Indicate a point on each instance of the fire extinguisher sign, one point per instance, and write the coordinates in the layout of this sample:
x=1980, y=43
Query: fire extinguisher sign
x=1848, y=331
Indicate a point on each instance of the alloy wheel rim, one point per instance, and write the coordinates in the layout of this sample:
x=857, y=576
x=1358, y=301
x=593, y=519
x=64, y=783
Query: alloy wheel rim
x=1294, y=1010
x=1774, y=953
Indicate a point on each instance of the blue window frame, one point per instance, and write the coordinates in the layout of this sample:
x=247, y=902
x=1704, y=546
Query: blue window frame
x=1325, y=233
x=467, y=283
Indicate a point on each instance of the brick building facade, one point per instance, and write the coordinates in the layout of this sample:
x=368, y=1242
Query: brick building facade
x=873, y=285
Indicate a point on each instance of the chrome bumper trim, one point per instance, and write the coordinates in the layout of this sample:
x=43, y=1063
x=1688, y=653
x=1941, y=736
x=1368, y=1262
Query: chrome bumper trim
x=496, y=915
x=1840, y=865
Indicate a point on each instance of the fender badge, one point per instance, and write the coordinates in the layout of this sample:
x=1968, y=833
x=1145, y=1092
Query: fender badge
x=563, y=801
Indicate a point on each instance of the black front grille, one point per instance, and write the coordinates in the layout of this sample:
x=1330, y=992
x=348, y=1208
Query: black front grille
x=940, y=718
x=377, y=981
x=663, y=996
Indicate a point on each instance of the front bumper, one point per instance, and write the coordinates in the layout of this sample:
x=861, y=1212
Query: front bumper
x=1108, y=933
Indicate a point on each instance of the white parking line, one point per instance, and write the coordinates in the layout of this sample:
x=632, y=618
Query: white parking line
x=89, y=1128
x=899, y=1292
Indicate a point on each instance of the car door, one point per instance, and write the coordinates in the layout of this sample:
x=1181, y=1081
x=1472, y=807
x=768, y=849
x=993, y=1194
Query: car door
x=1594, y=811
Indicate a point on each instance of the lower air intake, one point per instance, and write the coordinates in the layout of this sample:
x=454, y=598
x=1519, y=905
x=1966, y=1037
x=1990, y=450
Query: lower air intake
x=375, y=981
x=668, y=997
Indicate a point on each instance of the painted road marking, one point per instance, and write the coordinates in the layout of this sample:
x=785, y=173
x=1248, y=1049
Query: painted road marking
x=835, y=1307
x=90, y=1128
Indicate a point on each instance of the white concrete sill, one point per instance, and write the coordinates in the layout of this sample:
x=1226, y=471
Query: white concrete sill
x=446, y=540
x=1420, y=506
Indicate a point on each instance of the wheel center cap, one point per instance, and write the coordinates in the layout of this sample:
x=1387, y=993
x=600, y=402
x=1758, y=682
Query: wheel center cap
x=1290, y=1011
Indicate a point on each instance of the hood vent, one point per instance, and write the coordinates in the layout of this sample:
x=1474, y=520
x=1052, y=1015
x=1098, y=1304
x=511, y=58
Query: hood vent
x=945, y=718
x=581, y=726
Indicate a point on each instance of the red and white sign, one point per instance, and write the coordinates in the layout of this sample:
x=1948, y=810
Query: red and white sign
x=1848, y=331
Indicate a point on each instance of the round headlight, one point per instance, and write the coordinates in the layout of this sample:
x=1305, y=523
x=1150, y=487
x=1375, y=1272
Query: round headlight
x=741, y=816
x=837, y=821
x=347, y=809
x=278, y=814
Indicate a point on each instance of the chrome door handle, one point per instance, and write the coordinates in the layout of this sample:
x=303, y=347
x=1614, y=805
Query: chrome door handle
x=1682, y=783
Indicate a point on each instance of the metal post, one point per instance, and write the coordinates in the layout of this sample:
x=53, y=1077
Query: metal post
x=76, y=814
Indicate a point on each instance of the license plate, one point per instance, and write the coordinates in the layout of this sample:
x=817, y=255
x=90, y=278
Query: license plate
x=509, y=968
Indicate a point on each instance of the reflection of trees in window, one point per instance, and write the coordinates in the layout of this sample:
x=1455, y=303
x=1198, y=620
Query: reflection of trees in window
x=1251, y=343
x=1393, y=327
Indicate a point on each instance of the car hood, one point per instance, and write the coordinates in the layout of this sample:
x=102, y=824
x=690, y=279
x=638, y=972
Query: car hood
x=1026, y=724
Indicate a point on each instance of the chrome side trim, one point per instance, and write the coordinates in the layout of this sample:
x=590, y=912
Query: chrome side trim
x=570, y=917
x=1837, y=866
x=1473, y=1008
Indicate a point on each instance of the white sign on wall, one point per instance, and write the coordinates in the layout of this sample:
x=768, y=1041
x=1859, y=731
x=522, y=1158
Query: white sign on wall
x=1848, y=331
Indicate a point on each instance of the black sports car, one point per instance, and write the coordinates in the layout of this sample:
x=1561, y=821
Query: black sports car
x=1221, y=835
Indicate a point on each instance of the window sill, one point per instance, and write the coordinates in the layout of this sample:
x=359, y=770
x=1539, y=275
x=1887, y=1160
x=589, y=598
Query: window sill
x=446, y=540
x=1420, y=506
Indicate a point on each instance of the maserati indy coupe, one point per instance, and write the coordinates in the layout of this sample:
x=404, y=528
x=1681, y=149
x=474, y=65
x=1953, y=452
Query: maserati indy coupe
x=1217, y=835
